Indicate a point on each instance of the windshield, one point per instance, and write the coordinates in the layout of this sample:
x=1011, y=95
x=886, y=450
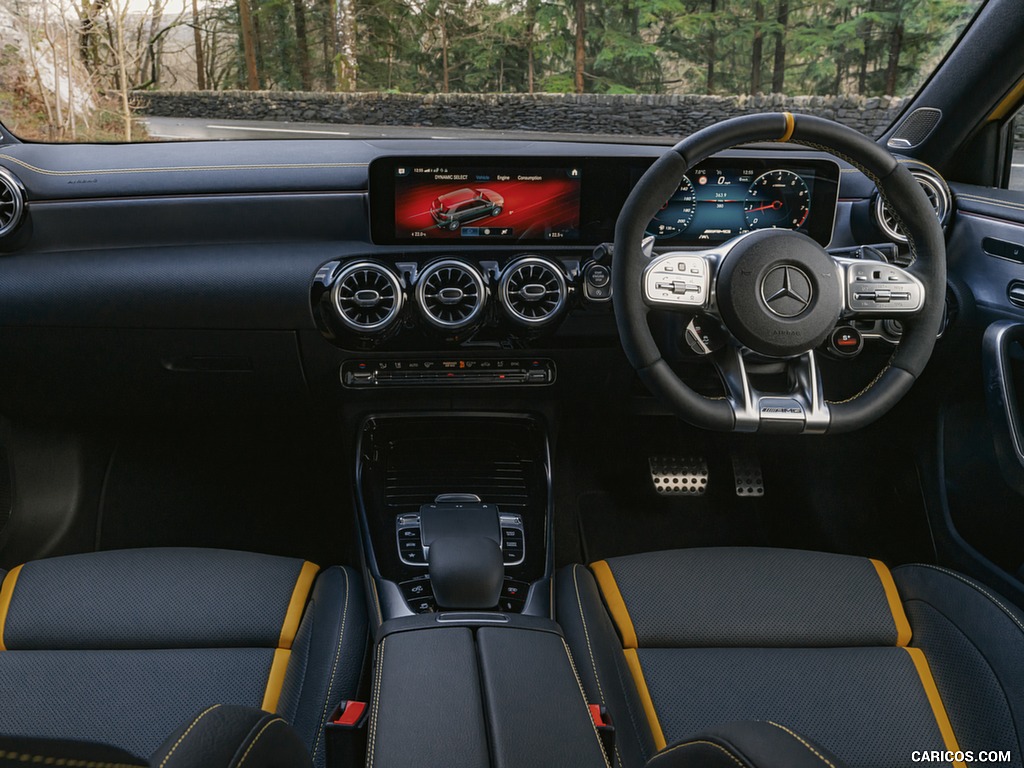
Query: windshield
x=137, y=70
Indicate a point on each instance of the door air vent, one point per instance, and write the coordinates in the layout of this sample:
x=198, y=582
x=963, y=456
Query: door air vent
x=367, y=296
x=451, y=294
x=533, y=290
x=12, y=202
x=934, y=188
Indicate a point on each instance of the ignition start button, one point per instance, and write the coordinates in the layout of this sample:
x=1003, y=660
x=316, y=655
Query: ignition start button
x=846, y=341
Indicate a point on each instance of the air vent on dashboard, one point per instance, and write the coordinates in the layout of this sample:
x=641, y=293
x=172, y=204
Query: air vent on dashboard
x=533, y=290
x=367, y=296
x=451, y=294
x=12, y=201
x=934, y=188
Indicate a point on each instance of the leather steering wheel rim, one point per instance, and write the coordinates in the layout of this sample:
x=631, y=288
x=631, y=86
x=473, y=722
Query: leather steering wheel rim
x=894, y=182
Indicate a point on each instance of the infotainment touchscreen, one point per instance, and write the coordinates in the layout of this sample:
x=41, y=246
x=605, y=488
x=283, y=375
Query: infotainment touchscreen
x=448, y=202
x=426, y=200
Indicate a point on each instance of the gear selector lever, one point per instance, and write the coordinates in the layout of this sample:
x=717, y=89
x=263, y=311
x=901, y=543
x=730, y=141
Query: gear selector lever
x=463, y=546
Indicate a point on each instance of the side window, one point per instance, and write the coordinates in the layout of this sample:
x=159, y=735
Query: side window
x=1017, y=163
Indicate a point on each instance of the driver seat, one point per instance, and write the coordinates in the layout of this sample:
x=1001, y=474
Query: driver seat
x=877, y=667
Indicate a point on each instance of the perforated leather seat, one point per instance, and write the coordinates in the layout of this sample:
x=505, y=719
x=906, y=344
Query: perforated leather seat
x=876, y=667
x=121, y=647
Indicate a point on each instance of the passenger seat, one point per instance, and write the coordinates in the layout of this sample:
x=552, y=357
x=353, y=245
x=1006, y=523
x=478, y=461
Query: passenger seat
x=122, y=647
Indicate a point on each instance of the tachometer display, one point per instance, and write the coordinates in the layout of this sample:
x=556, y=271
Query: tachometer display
x=778, y=198
x=675, y=216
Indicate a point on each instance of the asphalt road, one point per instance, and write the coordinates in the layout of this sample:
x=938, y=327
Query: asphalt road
x=196, y=128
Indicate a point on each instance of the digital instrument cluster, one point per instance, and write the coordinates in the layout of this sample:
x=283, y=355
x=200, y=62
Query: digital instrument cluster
x=725, y=197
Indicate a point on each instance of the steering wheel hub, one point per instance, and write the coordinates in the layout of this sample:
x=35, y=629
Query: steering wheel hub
x=778, y=292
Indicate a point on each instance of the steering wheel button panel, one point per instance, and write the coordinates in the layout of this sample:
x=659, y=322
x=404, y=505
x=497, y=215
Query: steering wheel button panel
x=874, y=288
x=677, y=279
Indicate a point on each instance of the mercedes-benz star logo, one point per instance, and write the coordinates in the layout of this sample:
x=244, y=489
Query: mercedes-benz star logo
x=786, y=291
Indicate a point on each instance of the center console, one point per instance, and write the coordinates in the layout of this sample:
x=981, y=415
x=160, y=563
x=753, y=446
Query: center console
x=470, y=668
x=424, y=478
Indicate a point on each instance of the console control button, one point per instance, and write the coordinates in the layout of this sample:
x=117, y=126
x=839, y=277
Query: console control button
x=416, y=589
x=509, y=605
x=514, y=590
x=513, y=542
x=423, y=605
x=410, y=540
x=597, y=282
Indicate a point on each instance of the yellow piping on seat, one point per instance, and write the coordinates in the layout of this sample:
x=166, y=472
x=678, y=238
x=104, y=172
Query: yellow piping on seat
x=899, y=616
x=935, y=700
x=6, y=593
x=289, y=628
x=633, y=661
x=620, y=615
x=616, y=605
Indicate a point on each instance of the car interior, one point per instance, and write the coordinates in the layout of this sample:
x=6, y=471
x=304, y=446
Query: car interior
x=419, y=452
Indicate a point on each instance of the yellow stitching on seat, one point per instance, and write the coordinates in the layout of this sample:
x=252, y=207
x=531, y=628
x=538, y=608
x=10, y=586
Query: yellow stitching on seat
x=586, y=634
x=188, y=730
x=695, y=743
x=186, y=168
x=71, y=762
x=257, y=738
x=376, y=703
x=899, y=616
x=334, y=666
x=6, y=593
x=931, y=691
x=616, y=605
x=816, y=753
x=586, y=704
x=590, y=651
x=633, y=662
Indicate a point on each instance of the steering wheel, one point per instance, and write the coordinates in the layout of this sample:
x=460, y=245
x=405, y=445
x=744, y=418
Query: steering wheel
x=777, y=293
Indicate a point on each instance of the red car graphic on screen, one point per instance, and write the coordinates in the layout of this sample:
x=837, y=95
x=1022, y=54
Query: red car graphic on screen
x=453, y=209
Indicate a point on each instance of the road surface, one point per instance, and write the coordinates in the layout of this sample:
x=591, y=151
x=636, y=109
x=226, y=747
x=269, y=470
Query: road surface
x=199, y=128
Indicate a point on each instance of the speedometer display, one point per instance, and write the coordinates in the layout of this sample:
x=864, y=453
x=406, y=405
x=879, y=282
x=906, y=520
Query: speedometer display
x=675, y=216
x=729, y=196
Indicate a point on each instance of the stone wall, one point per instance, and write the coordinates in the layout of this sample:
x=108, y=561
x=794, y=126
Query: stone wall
x=645, y=115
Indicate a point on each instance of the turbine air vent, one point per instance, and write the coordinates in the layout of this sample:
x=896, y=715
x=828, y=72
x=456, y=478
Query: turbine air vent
x=451, y=294
x=367, y=296
x=533, y=290
x=12, y=202
x=938, y=196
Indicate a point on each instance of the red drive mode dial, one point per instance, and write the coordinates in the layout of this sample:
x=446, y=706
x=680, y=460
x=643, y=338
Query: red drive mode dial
x=846, y=341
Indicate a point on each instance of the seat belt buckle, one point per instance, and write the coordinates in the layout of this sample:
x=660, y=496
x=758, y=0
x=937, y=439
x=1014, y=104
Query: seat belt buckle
x=605, y=730
x=345, y=734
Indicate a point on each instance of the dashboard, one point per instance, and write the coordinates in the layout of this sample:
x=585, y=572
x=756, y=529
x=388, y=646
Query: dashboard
x=196, y=271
